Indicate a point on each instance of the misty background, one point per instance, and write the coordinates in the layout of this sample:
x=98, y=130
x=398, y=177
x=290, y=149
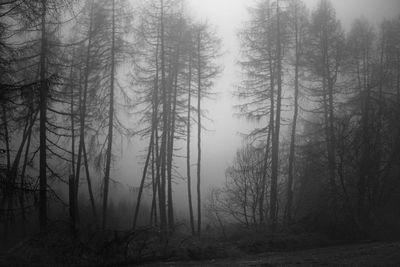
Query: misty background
x=226, y=130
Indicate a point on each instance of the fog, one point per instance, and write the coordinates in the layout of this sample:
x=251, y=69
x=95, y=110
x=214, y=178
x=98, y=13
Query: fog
x=225, y=129
x=285, y=112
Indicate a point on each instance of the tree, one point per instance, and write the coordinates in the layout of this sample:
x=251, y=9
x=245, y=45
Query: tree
x=207, y=50
x=239, y=198
x=263, y=43
x=325, y=55
x=298, y=18
x=258, y=89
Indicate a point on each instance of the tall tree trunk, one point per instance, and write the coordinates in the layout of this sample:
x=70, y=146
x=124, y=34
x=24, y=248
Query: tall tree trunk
x=82, y=105
x=111, y=121
x=189, y=179
x=275, y=142
x=23, y=189
x=72, y=176
x=289, y=203
x=155, y=151
x=6, y=137
x=199, y=133
x=42, y=127
x=162, y=199
x=153, y=213
x=171, y=145
x=146, y=164
x=264, y=172
x=271, y=129
x=89, y=184
x=72, y=117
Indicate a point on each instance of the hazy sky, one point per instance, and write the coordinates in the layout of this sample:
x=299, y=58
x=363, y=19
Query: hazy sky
x=221, y=142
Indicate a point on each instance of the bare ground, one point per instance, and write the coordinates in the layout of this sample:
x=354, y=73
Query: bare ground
x=367, y=254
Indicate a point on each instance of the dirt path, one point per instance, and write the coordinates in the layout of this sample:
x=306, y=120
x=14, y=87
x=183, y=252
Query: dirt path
x=369, y=254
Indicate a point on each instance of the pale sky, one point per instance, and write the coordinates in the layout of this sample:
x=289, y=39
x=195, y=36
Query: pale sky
x=220, y=144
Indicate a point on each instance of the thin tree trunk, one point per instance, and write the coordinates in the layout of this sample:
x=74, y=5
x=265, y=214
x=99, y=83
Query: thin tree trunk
x=83, y=103
x=189, y=180
x=89, y=184
x=13, y=172
x=9, y=190
x=42, y=127
x=275, y=142
x=72, y=176
x=23, y=189
x=26, y=133
x=72, y=118
x=155, y=152
x=198, y=134
x=153, y=213
x=245, y=203
x=171, y=147
x=271, y=129
x=162, y=199
x=139, y=197
x=264, y=172
x=6, y=137
x=111, y=121
x=289, y=203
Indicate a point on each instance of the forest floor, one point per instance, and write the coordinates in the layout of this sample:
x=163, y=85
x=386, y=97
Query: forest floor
x=240, y=247
x=366, y=254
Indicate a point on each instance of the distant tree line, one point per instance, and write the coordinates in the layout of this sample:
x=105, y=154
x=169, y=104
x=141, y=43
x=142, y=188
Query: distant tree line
x=336, y=95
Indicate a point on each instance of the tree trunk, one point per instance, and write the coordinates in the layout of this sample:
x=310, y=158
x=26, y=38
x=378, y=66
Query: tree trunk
x=153, y=213
x=189, y=180
x=42, y=127
x=111, y=122
x=83, y=111
x=72, y=176
x=6, y=137
x=271, y=129
x=289, y=203
x=155, y=150
x=162, y=199
x=89, y=184
x=198, y=134
x=275, y=142
x=264, y=172
x=139, y=197
x=22, y=196
x=171, y=146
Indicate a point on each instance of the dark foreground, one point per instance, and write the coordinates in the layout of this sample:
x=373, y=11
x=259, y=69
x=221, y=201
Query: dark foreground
x=240, y=247
x=367, y=254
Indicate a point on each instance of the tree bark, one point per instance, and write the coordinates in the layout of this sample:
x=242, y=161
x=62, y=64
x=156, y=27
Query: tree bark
x=89, y=184
x=199, y=133
x=162, y=199
x=289, y=203
x=139, y=197
x=82, y=105
x=111, y=122
x=189, y=179
x=275, y=142
x=42, y=127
